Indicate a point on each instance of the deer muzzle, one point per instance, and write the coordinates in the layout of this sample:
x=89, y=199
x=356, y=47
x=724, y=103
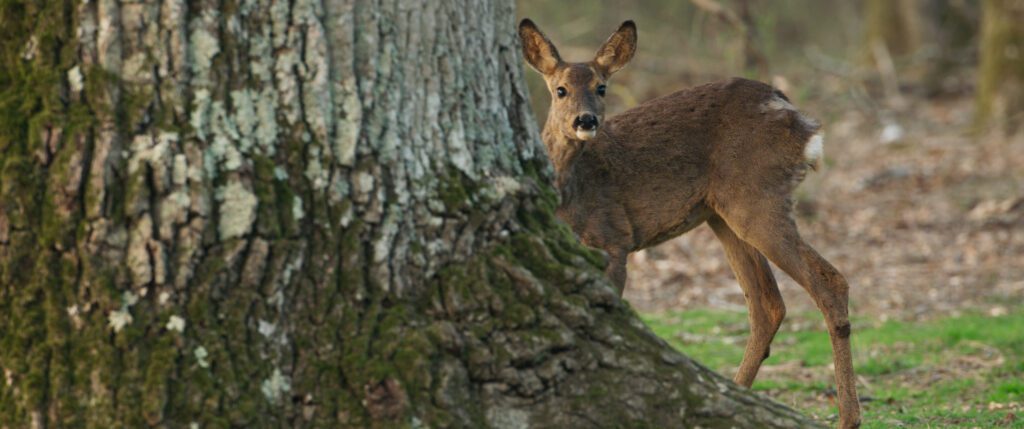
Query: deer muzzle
x=585, y=126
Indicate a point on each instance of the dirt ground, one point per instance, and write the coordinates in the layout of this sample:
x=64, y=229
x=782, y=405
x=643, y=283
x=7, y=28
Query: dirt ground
x=924, y=218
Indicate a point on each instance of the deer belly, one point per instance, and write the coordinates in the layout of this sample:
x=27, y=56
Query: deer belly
x=664, y=232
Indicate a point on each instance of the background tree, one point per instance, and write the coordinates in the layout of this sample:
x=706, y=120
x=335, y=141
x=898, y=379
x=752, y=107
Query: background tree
x=891, y=30
x=894, y=24
x=951, y=37
x=741, y=18
x=1000, y=94
x=266, y=214
x=921, y=44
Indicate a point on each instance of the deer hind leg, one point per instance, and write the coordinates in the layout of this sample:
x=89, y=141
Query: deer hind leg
x=771, y=230
x=766, y=309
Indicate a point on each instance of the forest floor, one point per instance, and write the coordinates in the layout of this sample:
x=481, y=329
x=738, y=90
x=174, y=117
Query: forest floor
x=926, y=221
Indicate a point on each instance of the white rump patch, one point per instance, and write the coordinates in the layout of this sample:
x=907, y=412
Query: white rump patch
x=815, y=150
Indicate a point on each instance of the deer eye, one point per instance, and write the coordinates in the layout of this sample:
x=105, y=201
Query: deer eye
x=601, y=89
x=561, y=92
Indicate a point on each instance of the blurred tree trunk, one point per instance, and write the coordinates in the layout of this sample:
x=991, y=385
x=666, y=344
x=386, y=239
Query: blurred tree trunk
x=892, y=23
x=940, y=34
x=1000, y=97
x=952, y=30
x=891, y=31
x=753, y=62
x=305, y=214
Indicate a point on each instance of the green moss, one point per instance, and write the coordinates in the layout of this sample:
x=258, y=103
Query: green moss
x=19, y=197
x=412, y=360
x=60, y=216
x=160, y=367
x=286, y=198
x=567, y=249
x=99, y=87
x=133, y=105
x=351, y=256
x=273, y=217
x=31, y=103
x=518, y=315
x=456, y=190
x=533, y=252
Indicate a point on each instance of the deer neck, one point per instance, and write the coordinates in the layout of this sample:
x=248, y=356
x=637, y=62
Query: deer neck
x=562, y=150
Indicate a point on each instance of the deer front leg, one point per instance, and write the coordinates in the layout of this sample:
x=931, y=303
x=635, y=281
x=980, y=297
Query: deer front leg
x=764, y=302
x=606, y=227
x=616, y=269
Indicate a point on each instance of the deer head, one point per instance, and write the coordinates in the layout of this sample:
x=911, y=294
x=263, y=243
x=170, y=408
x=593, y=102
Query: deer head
x=577, y=89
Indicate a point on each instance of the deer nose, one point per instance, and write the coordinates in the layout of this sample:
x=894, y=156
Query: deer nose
x=585, y=122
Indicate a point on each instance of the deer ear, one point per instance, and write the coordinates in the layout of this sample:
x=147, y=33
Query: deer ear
x=617, y=50
x=537, y=49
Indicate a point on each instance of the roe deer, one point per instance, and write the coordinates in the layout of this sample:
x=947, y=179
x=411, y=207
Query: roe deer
x=727, y=153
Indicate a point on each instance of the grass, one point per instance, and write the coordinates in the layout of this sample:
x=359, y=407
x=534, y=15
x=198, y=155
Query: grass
x=965, y=371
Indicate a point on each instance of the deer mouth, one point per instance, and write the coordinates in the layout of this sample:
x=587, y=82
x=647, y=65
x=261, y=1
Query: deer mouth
x=587, y=134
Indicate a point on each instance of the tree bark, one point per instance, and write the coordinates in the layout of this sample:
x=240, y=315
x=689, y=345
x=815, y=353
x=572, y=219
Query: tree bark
x=308, y=214
x=1000, y=97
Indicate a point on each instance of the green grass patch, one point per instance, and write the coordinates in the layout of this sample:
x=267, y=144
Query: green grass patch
x=965, y=371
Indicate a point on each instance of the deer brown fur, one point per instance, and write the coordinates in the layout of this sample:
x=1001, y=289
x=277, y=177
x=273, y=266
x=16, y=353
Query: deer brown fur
x=726, y=153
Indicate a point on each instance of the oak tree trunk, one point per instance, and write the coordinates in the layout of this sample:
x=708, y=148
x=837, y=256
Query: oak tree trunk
x=305, y=214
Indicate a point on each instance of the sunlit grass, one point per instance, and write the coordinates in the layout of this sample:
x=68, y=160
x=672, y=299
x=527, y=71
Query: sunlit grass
x=965, y=371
